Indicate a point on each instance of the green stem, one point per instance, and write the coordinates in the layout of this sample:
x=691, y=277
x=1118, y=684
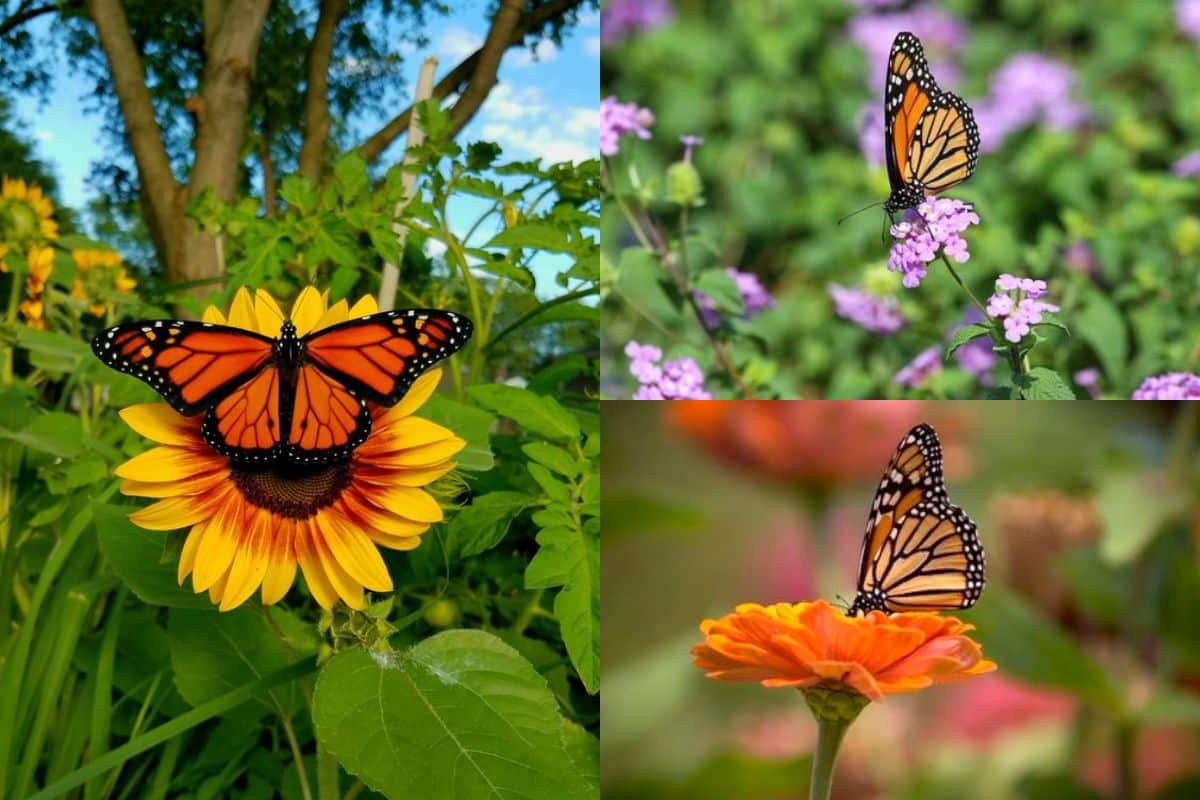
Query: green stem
x=327, y=774
x=830, y=733
x=1126, y=776
x=1018, y=362
x=540, y=308
x=526, y=616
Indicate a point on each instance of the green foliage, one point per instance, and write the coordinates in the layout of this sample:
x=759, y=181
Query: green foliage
x=778, y=92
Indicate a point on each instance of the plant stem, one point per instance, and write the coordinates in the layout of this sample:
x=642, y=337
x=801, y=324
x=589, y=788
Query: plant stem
x=830, y=733
x=1016, y=361
x=327, y=774
x=1126, y=777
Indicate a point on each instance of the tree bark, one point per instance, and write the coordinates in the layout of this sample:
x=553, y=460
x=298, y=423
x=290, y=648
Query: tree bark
x=472, y=71
x=316, y=93
x=23, y=14
x=270, y=193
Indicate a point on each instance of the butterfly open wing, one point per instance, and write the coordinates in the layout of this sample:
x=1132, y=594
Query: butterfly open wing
x=193, y=365
x=920, y=552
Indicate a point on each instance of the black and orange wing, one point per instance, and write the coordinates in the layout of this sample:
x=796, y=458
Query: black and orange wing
x=379, y=356
x=193, y=365
x=920, y=552
x=326, y=419
x=945, y=145
x=908, y=92
x=245, y=424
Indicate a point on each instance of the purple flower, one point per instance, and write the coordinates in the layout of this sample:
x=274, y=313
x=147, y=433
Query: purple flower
x=1017, y=305
x=870, y=134
x=1187, y=16
x=677, y=379
x=755, y=298
x=1188, y=166
x=1171, y=386
x=942, y=35
x=1079, y=258
x=1030, y=88
x=927, y=362
x=976, y=356
x=620, y=18
x=876, y=314
x=933, y=225
x=618, y=119
x=1089, y=380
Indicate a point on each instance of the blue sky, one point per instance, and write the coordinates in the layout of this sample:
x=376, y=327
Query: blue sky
x=547, y=107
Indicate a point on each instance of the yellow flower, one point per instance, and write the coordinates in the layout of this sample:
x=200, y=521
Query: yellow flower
x=41, y=264
x=124, y=284
x=252, y=527
x=31, y=195
x=86, y=259
x=32, y=309
x=3, y=252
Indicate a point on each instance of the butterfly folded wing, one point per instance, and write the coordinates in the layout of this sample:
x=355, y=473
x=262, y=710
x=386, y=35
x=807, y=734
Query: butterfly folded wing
x=945, y=146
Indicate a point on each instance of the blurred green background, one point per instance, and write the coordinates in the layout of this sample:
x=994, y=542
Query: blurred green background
x=1078, y=191
x=1089, y=520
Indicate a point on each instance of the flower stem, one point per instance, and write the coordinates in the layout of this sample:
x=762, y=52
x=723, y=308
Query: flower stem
x=1018, y=362
x=830, y=733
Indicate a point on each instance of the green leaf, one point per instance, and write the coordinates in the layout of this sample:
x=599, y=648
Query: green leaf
x=56, y=353
x=552, y=457
x=213, y=653
x=1043, y=384
x=967, y=333
x=470, y=423
x=299, y=192
x=460, y=715
x=1101, y=325
x=570, y=558
x=584, y=750
x=534, y=235
x=54, y=432
x=542, y=416
x=1029, y=646
x=554, y=488
x=136, y=556
x=350, y=174
x=723, y=291
x=1133, y=508
x=481, y=525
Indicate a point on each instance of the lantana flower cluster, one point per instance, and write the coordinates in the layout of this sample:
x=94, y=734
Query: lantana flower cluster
x=622, y=18
x=1170, y=386
x=674, y=379
x=618, y=119
x=869, y=311
x=1017, y=304
x=932, y=227
x=755, y=298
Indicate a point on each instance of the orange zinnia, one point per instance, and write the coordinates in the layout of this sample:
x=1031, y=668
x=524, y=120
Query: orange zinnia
x=252, y=526
x=809, y=645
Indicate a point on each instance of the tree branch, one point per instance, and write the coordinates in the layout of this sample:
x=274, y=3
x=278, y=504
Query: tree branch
x=500, y=35
x=157, y=182
x=23, y=15
x=468, y=72
x=316, y=93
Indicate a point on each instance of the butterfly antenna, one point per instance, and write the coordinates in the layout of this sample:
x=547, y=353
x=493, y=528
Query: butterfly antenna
x=864, y=208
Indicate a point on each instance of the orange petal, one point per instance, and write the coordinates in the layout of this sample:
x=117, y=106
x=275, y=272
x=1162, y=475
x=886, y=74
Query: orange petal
x=219, y=546
x=250, y=562
x=281, y=563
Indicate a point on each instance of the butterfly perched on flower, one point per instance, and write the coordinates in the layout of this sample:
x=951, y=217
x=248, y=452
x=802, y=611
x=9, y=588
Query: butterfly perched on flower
x=288, y=399
x=920, y=552
x=930, y=136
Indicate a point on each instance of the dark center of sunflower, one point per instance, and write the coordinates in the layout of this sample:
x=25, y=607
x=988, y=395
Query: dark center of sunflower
x=290, y=491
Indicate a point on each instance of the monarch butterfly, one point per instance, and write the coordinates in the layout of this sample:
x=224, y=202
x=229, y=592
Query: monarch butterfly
x=919, y=553
x=930, y=136
x=299, y=400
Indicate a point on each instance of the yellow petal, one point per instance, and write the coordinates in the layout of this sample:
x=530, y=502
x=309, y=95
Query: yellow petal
x=250, y=563
x=396, y=542
x=346, y=587
x=241, y=313
x=160, y=464
x=194, y=485
x=219, y=546
x=213, y=315
x=410, y=433
x=353, y=551
x=357, y=506
x=365, y=307
x=158, y=422
x=267, y=314
x=281, y=561
x=333, y=315
x=409, y=503
x=171, y=514
x=307, y=309
x=416, y=396
x=217, y=590
x=187, y=558
x=314, y=573
x=425, y=456
x=416, y=477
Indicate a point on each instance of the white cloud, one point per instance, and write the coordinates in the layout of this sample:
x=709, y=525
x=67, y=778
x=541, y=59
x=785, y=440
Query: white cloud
x=456, y=43
x=511, y=102
x=591, y=46
x=525, y=130
x=542, y=52
x=43, y=136
x=589, y=18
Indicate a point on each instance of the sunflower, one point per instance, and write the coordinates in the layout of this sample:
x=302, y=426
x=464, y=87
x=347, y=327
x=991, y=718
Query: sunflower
x=809, y=645
x=252, y=527
x=38, y=211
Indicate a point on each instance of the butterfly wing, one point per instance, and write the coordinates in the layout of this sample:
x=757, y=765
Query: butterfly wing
x=193, y=365
x=909, y=89
x=945, y=144
x=327, y=419
x=245, y=424
x=920, y=552
x=379, y=356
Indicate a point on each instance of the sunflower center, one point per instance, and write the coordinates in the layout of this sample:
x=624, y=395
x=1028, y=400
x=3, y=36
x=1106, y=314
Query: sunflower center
x=292, y=492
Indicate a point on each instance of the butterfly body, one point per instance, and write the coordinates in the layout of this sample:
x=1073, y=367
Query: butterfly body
x=930, y=137
x=288, y=400
x=920, y=552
